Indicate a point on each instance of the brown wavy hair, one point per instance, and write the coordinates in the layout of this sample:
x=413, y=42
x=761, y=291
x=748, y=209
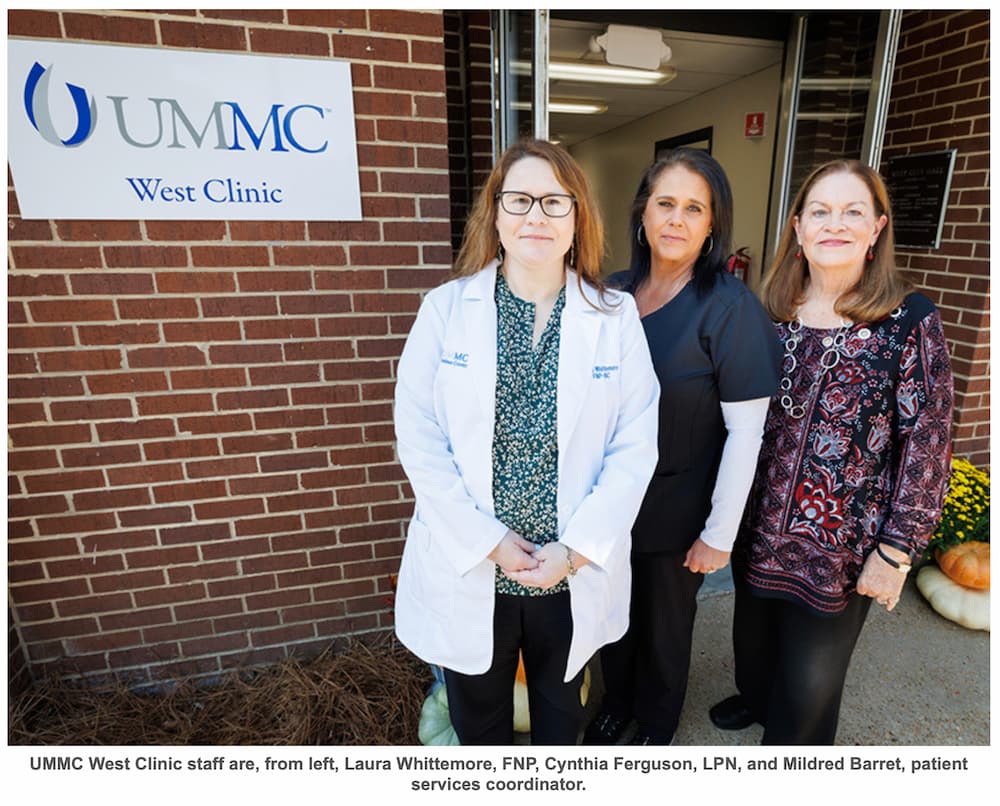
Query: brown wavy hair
x=881, y=288
x=481, y=239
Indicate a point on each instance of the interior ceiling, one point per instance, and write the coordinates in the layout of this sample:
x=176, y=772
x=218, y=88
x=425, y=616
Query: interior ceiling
x=703, y=63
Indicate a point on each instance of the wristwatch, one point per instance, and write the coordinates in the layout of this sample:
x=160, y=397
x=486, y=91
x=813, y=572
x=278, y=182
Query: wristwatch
x=903, y=568
x=569, y=561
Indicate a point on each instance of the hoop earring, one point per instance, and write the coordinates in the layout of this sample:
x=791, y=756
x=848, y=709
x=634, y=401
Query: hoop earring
x=798, y=254
x=711, y=245
x=638, y=235
x=500, y=253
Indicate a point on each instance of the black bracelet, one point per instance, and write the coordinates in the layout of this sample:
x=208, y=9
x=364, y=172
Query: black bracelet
x=886, y=557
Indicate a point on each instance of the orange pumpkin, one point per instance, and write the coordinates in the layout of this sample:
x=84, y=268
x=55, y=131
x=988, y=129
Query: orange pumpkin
x=967, y=564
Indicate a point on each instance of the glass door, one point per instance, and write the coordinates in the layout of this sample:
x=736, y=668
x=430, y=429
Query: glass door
x=521, y=66
x=838, y=70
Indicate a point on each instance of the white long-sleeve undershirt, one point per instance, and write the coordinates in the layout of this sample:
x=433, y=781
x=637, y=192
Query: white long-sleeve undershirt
x=744, y=422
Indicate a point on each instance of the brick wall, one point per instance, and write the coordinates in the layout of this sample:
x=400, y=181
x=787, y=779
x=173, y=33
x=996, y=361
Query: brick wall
x=941, y=100
x=201, y=463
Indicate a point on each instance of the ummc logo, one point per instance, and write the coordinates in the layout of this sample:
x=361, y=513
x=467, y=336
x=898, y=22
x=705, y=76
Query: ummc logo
x=36, y=103
x=226, y=126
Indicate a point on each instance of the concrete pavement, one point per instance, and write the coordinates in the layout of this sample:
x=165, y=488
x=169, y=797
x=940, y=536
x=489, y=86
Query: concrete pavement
x=915, y=679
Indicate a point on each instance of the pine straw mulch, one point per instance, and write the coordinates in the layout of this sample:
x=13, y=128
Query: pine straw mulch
x=368, y=695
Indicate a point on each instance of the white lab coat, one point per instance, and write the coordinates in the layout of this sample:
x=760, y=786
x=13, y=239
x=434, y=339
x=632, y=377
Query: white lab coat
x=607, y=407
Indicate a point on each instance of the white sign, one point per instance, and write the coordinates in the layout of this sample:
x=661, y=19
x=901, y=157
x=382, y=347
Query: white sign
x=107, y=132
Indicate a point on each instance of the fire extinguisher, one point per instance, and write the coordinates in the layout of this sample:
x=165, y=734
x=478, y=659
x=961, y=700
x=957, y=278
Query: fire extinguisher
x=739, y=263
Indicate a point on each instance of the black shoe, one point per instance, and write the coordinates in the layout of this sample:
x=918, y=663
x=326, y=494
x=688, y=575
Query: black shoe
x=643, y=738
x=605, y=728
x=731, y=714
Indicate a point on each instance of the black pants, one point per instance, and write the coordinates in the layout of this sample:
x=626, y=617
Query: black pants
x=482, y=705
x=646, y=672
x=791, y=664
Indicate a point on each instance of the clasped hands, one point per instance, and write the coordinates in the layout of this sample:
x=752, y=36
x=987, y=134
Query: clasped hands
x=532, y=565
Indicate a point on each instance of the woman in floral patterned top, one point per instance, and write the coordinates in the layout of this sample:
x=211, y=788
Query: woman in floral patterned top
x=854, y=464
x=526, y=423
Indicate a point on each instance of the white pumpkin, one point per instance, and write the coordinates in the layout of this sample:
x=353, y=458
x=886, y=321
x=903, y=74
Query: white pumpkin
x=965, y=606
x=435, y=721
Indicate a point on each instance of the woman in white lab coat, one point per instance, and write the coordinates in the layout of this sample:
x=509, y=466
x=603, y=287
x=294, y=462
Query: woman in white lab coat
x=526, y=418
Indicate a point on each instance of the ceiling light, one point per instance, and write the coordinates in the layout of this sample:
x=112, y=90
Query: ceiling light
x=599, y=73
x=567, y=107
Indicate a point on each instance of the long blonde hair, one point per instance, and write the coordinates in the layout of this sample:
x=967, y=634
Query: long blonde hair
x=881, y=288
x=481, y=240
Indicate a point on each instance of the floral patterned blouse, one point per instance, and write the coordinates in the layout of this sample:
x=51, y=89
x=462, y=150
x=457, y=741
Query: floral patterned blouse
x=868, y=462
x=525, y=449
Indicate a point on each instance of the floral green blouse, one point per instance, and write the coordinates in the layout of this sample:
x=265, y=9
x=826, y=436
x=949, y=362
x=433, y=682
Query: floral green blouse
x=525, y=449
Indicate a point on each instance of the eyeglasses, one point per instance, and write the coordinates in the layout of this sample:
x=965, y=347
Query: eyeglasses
x=554, y=205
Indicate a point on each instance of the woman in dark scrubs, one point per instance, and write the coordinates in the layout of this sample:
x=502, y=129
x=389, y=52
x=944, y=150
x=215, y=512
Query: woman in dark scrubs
x=718, y=361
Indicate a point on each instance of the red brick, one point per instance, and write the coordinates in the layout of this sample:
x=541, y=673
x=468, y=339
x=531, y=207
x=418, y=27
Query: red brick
x=333, y=478
x=352, y=370
x=174, y=632
x=106, y=28
x=344, y=326
x=256, y=399
x=100, y=456
x=192, y=491
x=267, y=230
x=273, y=329
x=78, y=310
x=155, y=257
x=63, y=628
x=91, y=410
x=245, y=354
x=22, y=22
x=80, y=360
x=367, y=495
x=171, y=594
x=241, y=466
x=328, y=436
x=367, y=255
x=277, y=524
x=238, y=307
x=411, y=23
x=250, y=282
x=33, y=436
x=208, y=378
x=311, y=256
x=229, y=509
x=199, y=533
x=57, y=257
x=166, y=357
x=180, y=449
x=369, y=48
x=257, y=444
x=185, y=231
x=119, y=334
x=215, y=424
x=236, y=549
x=259, y=485
x=202, y=36
x=275, y=562
x=140, y=429
x=26, y=388
x=158, y=308
x=85, y=566
x=23, y=413
x=326, y=18
x=34, y=549
x=315, y=304
x=238, y=256
x=174, y=404
x=112, y=284
x=339, y=516
x=125, y=382
x=206, y=571
x=195, y=282
x=155, y=517
x=270, y=40
x=242, y=586
x=339, y=393
x=117, y=540
x=36, y=285
x=111, y=499
x=299, y=502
